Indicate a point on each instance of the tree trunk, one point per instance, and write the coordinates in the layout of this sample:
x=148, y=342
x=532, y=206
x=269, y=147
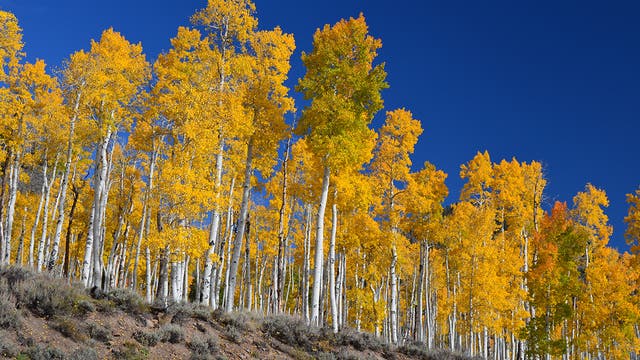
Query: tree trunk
x=394, y=297
x=64, y=184
x=45, y=218
x=43, y=195
x=240, y=227
x=213, y=233
x=13, y=192
x=319, y=255
x=332, y=260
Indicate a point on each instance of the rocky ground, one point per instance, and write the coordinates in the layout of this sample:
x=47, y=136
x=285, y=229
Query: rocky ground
x=46, y=318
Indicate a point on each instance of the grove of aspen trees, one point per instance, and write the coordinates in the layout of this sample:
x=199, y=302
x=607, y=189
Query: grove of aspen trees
x=189, y=179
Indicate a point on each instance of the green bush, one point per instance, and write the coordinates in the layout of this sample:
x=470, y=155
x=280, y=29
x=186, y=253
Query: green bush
x=359, y=340
x=38, y=352
x=83, y=353
x=240, y=320
x=232, y=333
x=171, y=333
x=419, y=350
x=202, y=348
x=68, y=328
x=130, y=351
x=291, y=330
x=47, y=297
x=7, y=347
x=15, y=274
x=146, y=338
x=98, y=332
x=181, y=312
x=9, y=315
x=128, y=301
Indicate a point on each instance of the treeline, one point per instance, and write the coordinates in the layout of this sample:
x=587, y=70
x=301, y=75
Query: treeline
x=183, y=181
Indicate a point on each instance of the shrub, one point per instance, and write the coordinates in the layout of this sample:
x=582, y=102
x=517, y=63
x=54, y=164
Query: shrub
x=46, y=296
x=7, y=347
x=240, y=320
x=68, y=328
x=9, y=315
x=419, y=351
x=38, y=352
x=130, y=351
x=171, y=333
x=15, y=275
x=128, y=301
x=86, y=306
x=98, y=332
x=183, y=311
x=359, y=340
x=203, y=346
x=232, y=333
x=146, y=338
x=83, y=353
x=291, y=330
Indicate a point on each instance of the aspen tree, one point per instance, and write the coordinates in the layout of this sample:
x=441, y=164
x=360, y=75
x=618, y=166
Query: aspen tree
x=344, y=87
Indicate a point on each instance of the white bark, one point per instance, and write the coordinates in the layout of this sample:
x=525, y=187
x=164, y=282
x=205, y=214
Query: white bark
x=43, y=192
x=13, y=191
x=319, y=255
x=213, y=233
x=394, y=297
x=45, y=218
x=332, y=270
x=240, y=227
x=64, y=184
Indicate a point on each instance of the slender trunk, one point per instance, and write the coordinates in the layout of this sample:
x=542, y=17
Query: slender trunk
x=419, y=327
x=20, y=253
x=317, y=272
x=145, y=219
x=332, y=260
x=240, y=227
x=38, y=213
x=64, y=184
x=394, y=297
x=219, y=267
x=213, y=233
x=278, y=278
x=13, y=192
x=307, y=265
x=148, y=281
x=247, y=266
x=45, y=218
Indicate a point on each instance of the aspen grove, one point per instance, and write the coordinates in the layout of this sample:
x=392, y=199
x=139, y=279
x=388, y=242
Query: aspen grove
x=190, y=179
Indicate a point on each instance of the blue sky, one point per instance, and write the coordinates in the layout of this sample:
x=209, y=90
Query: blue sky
x=552, y=81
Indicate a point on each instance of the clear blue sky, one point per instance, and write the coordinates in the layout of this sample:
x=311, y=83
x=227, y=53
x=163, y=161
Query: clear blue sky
x=553, y=81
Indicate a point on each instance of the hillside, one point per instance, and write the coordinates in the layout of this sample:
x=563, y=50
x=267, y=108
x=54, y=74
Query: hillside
x=42, y=317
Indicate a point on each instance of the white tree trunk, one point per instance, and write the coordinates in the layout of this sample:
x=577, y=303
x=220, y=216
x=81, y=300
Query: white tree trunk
x=332, y=270
x=38, y=213
x=213, y=233
x=317, y=271
x=240, y=227
x=14, y=177
x=394, y=297
x=64, y=184
x=45, y=218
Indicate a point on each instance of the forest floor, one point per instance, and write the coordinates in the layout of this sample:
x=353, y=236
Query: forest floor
x=46, y=318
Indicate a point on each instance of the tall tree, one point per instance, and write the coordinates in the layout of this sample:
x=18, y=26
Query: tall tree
x=344, y=87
